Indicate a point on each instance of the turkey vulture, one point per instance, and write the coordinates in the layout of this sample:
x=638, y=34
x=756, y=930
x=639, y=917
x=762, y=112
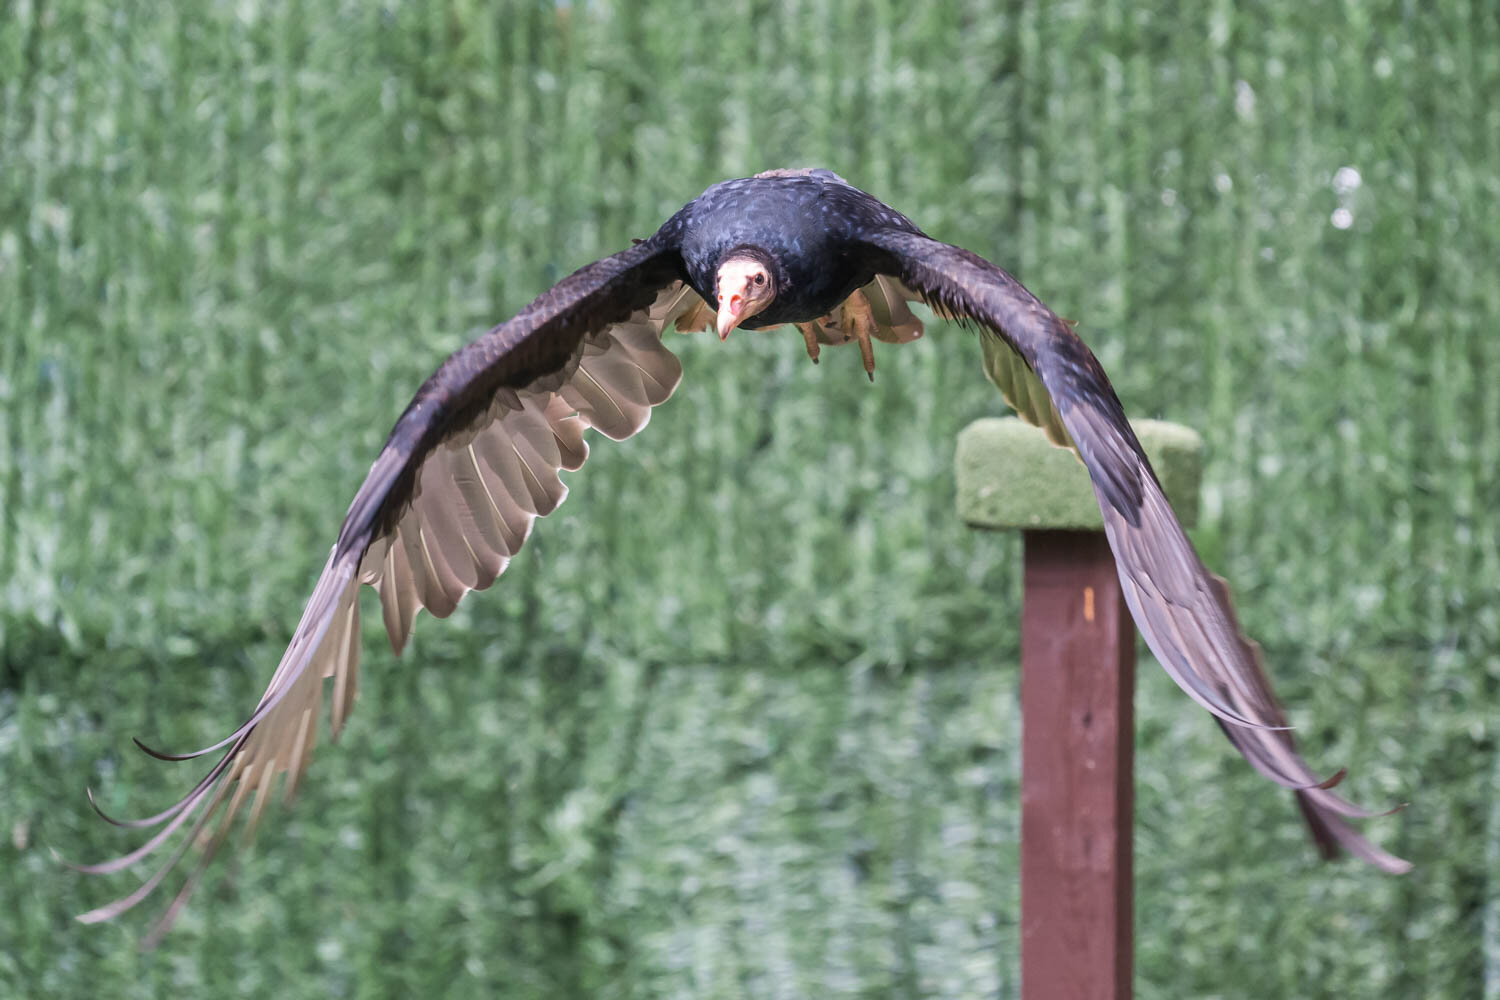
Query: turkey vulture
x=475, y=459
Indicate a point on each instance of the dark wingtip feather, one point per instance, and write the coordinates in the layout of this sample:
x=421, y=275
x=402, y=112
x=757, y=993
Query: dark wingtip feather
x=102, y=814
x=1333, y=836
x=1243, y=723
x=1317, y=826
x=161, y=754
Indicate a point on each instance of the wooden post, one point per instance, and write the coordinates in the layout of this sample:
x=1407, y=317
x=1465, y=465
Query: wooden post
x=1077, y=684
x=1077, y=681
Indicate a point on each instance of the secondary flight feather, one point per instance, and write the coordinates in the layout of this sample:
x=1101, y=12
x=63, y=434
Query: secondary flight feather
x=477, y=457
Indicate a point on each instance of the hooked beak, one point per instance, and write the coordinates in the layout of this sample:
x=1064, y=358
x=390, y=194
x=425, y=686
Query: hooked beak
x=731, y=312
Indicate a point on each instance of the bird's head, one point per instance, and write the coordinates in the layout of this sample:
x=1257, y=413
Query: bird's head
x=745, y=285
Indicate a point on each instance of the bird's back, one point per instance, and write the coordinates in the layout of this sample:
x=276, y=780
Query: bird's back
x=805, y=218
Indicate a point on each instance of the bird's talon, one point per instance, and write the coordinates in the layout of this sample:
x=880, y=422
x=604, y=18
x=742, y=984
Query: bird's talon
x=859, y=317
x=810, y=338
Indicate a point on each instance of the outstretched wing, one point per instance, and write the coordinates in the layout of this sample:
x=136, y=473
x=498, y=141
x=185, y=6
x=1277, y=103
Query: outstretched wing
x=1185, y=613
x=449, y=500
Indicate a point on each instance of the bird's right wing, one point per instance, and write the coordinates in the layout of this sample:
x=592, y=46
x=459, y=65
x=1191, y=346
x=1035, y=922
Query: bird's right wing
x=1184, y=612
x=471, y=463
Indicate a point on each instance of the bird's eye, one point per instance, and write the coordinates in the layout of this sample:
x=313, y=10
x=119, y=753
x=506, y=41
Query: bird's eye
x=760, y=279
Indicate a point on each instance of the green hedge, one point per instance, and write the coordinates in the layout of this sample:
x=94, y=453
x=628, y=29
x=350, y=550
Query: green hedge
x=742, y=719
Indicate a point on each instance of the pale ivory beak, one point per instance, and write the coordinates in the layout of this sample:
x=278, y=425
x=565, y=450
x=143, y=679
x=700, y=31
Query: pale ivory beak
x=731, y=311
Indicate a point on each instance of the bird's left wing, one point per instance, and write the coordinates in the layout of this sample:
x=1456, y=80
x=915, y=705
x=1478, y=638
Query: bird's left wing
x=473, y=460
x=1184, y=612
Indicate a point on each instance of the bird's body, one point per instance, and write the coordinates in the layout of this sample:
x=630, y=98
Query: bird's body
x=811, y=221
x=477, y=456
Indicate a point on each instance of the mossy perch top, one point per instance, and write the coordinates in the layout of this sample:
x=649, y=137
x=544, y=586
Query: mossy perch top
x=1010, y=476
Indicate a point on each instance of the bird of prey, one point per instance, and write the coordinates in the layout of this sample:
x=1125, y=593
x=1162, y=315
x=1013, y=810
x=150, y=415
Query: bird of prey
x=476, y=456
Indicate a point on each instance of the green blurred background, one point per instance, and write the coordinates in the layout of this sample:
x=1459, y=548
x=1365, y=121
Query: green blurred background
x=742, y=719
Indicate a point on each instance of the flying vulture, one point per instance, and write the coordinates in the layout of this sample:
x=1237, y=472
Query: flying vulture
x=476, y=457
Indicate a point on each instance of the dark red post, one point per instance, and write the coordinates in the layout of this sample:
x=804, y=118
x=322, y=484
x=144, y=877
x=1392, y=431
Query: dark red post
x=1077, y=684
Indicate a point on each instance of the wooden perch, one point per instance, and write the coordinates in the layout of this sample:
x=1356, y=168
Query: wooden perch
x=1077, y=684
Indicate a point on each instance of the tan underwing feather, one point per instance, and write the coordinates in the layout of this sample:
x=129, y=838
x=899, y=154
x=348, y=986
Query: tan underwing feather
x=345, y=668
x=1018, y=384
x=447, y=522
x=495, y=448
x=515, y=521
x=398, y=594
x=567, y=432
x=894, y=320
x=302, y=744
x=436, y=588
x=532, y=442
x=1022, y=389
x=487, y=520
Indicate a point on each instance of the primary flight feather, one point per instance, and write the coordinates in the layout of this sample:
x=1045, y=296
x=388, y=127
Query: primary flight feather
x=476, y=457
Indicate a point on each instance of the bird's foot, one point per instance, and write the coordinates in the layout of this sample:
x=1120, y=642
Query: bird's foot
x=861, y=319
x=810, y=338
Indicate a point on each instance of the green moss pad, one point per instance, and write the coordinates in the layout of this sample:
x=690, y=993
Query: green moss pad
x=1010, y=476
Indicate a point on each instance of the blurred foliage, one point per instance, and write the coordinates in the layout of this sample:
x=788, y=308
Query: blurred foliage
x=742, y=720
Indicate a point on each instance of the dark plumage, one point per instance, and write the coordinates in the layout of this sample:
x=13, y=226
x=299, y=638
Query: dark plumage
x=475, y=459
x=812, y=223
